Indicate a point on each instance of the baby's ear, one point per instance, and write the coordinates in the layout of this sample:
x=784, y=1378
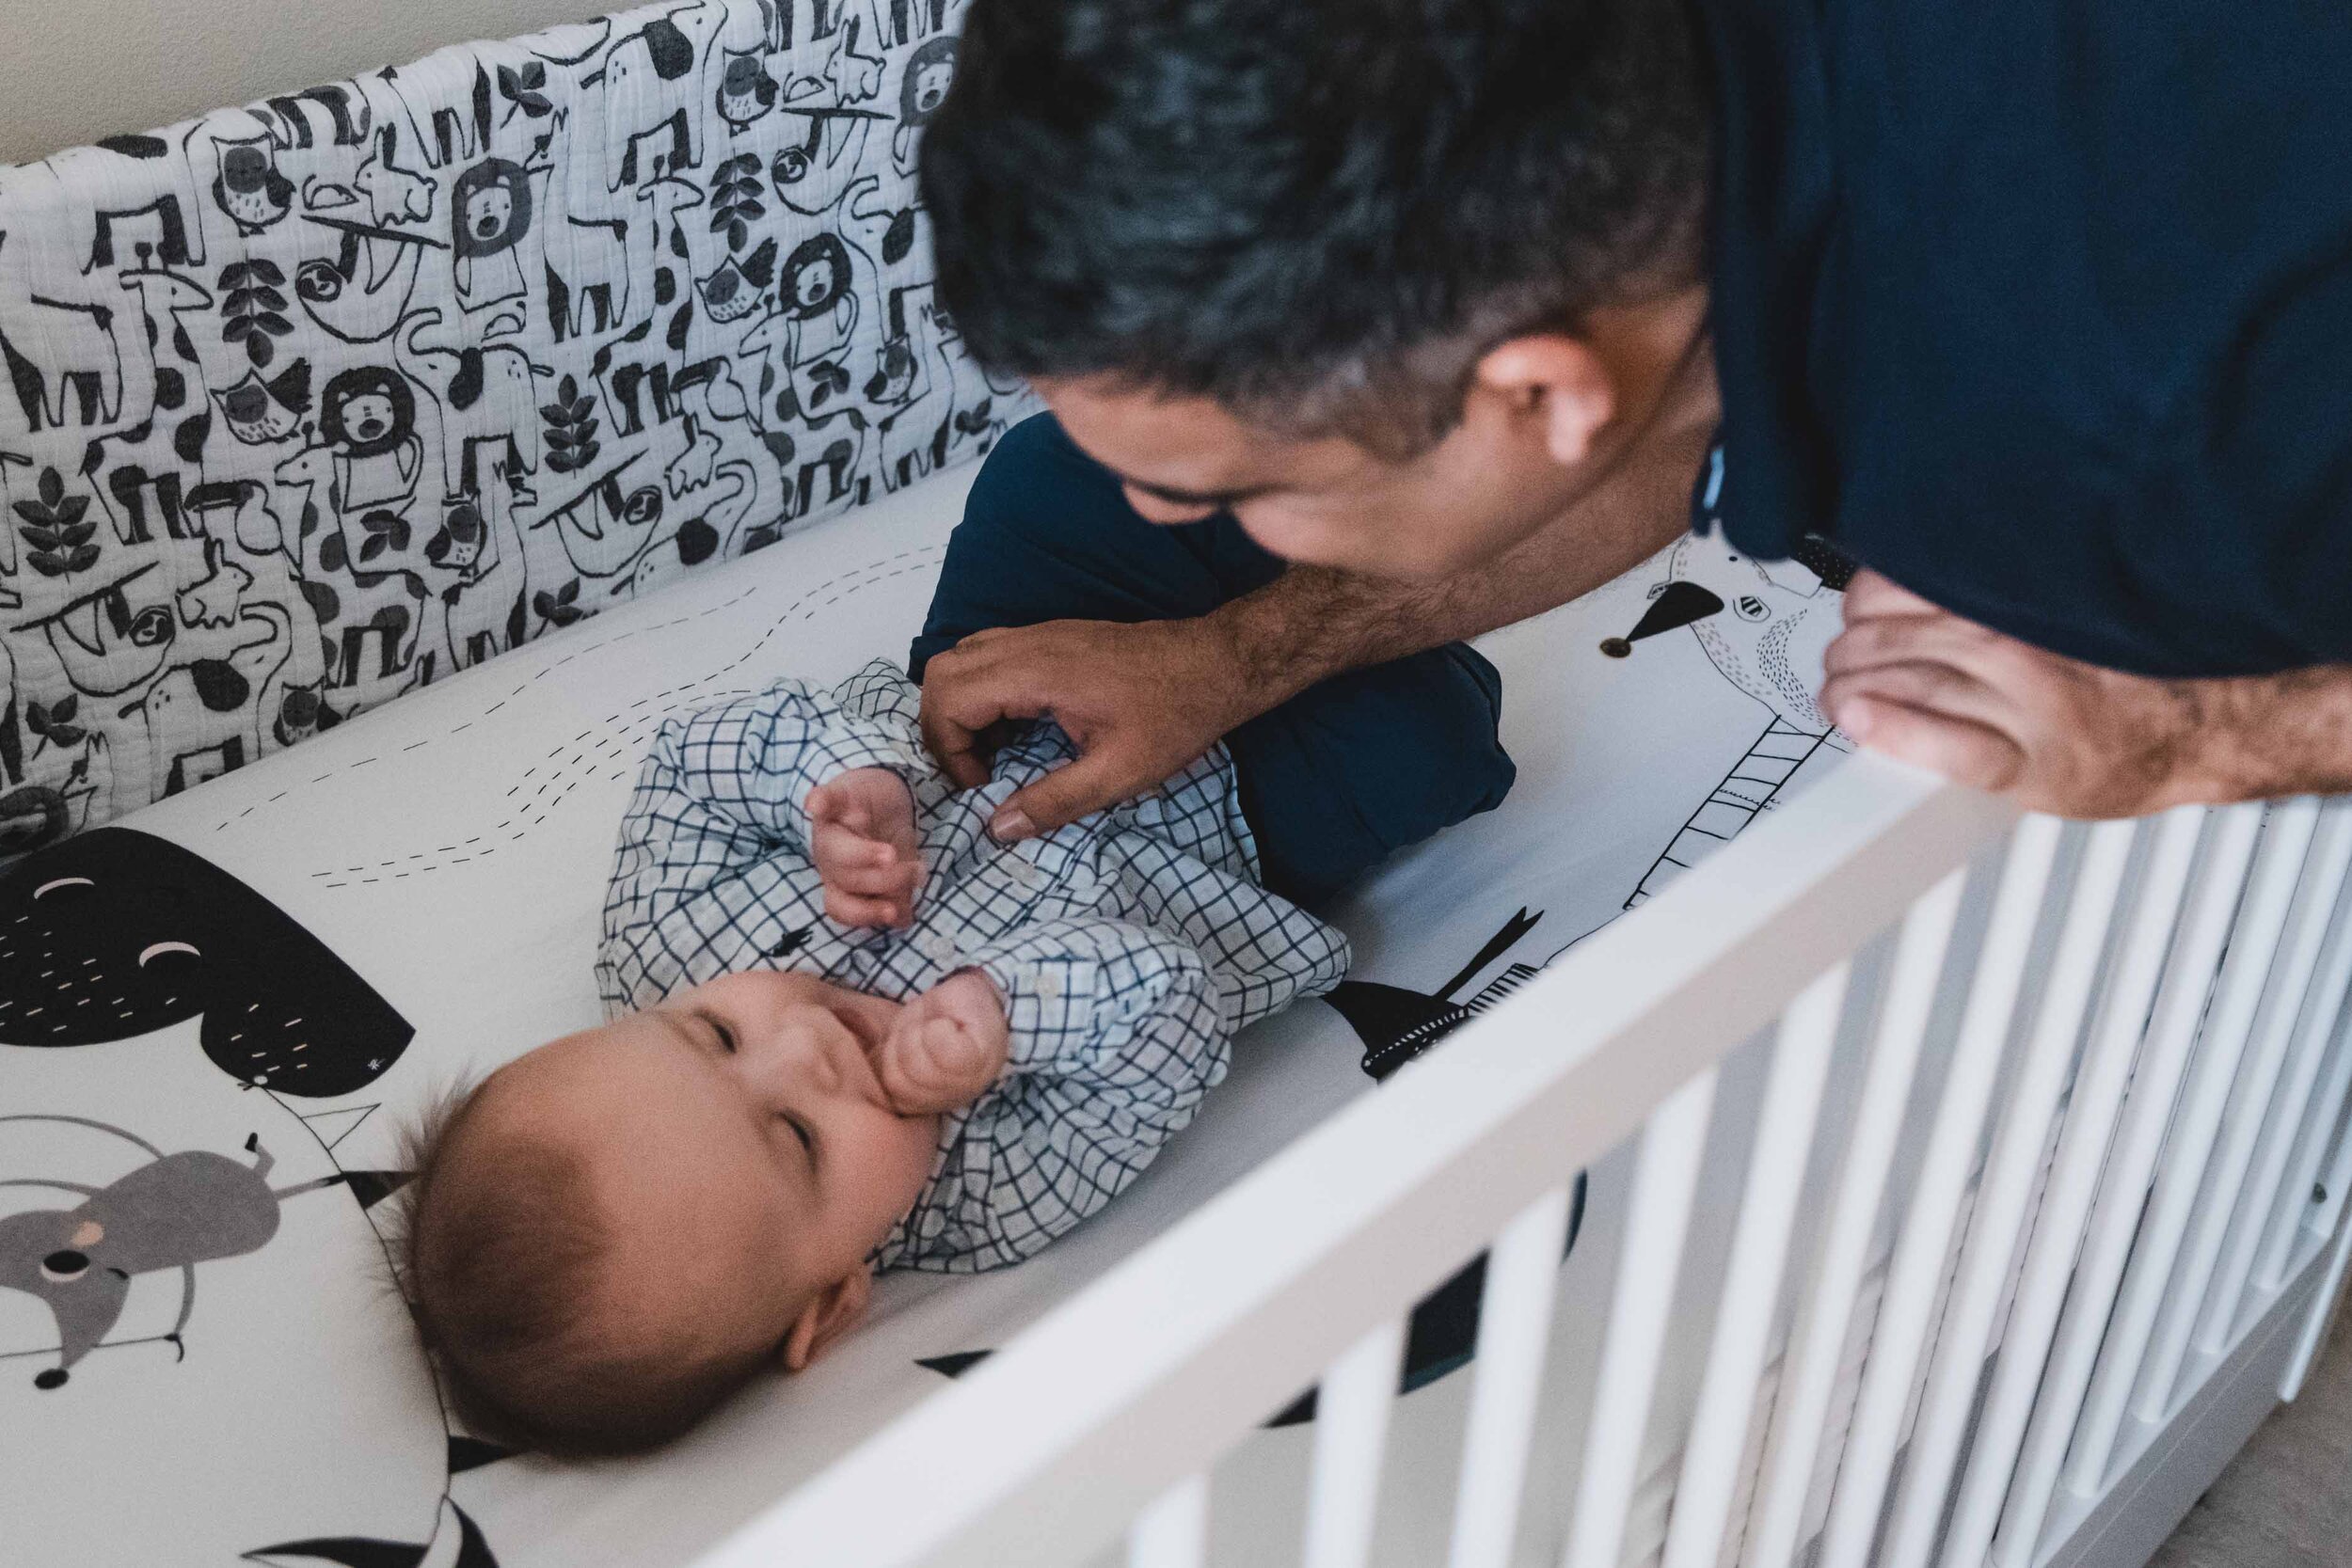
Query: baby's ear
x=831, y=1312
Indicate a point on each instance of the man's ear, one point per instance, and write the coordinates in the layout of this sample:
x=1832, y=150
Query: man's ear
x=1556, y=382
x=831, y=1312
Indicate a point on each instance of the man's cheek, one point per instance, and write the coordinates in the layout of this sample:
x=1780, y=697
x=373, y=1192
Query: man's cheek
x=1293, y=538
x=1353, y=542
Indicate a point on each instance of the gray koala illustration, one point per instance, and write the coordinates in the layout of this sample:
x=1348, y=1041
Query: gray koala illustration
x=173, y=1212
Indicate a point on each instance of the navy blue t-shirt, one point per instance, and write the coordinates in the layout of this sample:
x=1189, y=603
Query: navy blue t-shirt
x=2044, y=308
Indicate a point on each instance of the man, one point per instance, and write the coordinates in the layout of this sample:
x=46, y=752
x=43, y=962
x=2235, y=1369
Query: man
x=2040, y=310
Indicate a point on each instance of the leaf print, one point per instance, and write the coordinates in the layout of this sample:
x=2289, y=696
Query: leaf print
x=251, y=308
x=524, y=89
x=57, y=537
x=571, y=428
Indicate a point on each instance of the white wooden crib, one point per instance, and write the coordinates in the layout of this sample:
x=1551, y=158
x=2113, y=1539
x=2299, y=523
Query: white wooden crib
x=1967, y=1189
x=2121, y=1245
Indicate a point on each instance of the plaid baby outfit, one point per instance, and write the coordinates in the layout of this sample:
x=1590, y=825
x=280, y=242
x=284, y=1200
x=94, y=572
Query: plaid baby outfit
x=1130, y=946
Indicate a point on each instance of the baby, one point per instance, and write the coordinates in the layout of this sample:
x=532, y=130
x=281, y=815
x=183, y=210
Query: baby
x=851, y=1031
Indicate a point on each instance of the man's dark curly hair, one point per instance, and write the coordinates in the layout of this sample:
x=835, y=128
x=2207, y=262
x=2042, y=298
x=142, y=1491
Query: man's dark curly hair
x=1318, y=213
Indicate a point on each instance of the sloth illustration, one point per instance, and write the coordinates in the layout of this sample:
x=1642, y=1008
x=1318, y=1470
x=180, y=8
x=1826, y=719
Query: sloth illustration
x=259, y=413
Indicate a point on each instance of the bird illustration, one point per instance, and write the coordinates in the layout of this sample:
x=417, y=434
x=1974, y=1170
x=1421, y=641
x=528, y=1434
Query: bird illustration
x=261, y=412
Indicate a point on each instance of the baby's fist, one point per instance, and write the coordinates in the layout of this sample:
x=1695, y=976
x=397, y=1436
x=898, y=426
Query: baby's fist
x=946, y=1048
x=862, y=839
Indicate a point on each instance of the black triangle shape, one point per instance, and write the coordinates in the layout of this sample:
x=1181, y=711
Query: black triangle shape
x=372, y=1187
x=954, y=1365
x=471, y=1453
x=350, y=1551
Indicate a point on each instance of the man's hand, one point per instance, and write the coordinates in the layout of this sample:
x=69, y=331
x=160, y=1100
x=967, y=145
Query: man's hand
x=1926, y=686
x=1140, y=700
x=861, y=840
x=946, y=1047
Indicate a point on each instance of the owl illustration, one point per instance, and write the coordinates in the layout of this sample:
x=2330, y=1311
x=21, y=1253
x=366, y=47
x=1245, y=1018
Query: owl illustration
x=250, y=187
x=746, y=91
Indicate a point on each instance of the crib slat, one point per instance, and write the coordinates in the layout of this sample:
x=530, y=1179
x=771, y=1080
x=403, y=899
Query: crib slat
x=1172, y=1532
x=1904, y=1313
x=2328, y=1299
x=2320, y=1122
x=2188, y=978
x=2315, y=1032
x=2058, y=1232
x=2011, y=1173
x=2252, y=942
x=1351, y=1436
x=1809, y=1370
x=1657, y=1219
x=1752, y=1277
x=2248, y=1107
x=1515, y=1312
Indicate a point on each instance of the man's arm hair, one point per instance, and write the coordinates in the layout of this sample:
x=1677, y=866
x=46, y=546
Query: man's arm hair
x=2271, y=735
x=1314, y=622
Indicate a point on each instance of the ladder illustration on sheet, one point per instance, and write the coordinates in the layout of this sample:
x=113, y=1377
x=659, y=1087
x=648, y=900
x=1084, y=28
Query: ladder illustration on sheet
x=1751, y=786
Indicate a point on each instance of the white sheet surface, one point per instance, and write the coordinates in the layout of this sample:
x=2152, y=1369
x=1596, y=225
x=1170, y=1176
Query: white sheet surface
x=458, y=865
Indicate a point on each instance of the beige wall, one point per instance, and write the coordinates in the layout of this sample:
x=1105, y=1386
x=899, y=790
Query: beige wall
x=73, y=71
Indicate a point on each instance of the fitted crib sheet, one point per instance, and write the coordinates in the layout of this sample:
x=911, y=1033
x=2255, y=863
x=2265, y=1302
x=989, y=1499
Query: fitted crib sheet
x=430, y=875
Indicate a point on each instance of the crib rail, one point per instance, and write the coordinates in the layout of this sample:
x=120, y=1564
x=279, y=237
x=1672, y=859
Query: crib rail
x=2134, y=1102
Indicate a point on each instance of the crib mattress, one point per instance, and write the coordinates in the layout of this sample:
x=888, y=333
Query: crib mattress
x=345, y=929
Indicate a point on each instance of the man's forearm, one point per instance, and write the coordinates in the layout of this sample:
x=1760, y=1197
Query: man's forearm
x=1314, y=622
x=2264, y=737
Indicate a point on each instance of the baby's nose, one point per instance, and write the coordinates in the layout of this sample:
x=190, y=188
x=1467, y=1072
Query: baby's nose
x=792, y=1063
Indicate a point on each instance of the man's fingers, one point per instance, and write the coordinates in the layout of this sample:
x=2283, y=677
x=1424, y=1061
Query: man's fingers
x=957, y=749
x=1966, y=753
x=1871, y=594
x=1927, y=685
x=1071, y=791
x=967, y=692
x=1904, y=640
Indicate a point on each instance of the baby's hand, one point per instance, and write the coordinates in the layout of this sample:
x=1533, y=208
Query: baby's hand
x=946, y=1047
x=863, y=842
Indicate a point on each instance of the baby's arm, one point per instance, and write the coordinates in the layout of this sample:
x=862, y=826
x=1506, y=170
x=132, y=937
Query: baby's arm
x=723, y=791
x=1114, y=1039
x=946, y=1048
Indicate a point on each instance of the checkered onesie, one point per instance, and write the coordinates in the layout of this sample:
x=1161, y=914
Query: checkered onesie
x=1130, y=946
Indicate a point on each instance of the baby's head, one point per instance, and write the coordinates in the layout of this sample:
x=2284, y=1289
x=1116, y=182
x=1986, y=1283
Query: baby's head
x=617, y=1229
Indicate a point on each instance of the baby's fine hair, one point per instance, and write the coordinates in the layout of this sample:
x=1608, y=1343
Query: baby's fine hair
x=499, y=1251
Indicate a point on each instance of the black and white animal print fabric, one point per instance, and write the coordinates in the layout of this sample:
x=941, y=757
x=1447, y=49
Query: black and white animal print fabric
x=311, y=402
